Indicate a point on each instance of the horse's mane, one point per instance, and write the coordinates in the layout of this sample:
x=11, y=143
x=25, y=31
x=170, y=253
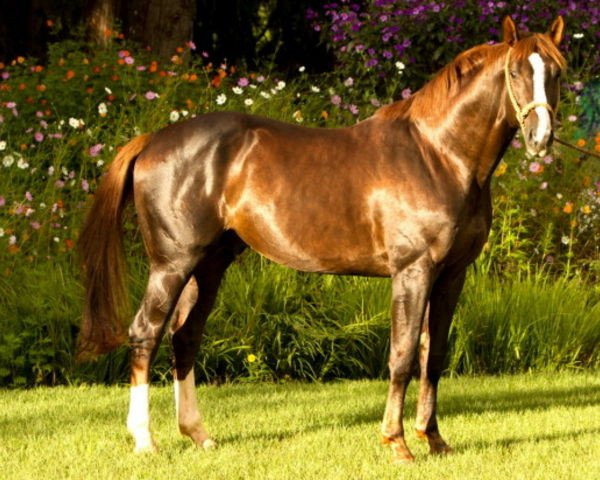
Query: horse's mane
x=449, y=80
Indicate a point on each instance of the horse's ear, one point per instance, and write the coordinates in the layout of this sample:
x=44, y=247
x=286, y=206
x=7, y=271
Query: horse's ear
x=556, y=30
x=509, y=31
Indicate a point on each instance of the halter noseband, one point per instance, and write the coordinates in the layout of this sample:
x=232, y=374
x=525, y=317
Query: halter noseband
x=521, y=113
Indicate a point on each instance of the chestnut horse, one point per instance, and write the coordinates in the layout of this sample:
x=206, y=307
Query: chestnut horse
x=404, y=193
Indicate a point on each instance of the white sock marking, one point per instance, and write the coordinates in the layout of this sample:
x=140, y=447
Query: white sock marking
x=539, y=95
x=138, y=419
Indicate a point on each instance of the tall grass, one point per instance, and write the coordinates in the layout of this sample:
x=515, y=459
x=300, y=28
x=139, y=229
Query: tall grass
x=273, y=323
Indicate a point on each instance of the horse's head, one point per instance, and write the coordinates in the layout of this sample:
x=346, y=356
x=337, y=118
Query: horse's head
x=532, y=75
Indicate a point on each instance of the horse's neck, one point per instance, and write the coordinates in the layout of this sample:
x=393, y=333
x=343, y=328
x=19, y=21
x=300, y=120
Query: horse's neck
x=471, y=133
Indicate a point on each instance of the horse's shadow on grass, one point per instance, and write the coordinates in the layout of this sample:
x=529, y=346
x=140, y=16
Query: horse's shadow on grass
x=454, y=404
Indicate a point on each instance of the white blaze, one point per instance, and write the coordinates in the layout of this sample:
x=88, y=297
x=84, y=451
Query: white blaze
x=539, y=95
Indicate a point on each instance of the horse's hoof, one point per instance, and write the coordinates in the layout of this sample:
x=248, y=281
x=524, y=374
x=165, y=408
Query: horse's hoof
x=441, y=450
x=400, y=453
x=209, y=444
x=145, y=449
x=421, y=435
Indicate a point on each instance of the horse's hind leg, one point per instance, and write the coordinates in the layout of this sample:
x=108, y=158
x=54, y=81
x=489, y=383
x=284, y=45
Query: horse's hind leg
x=432, y=355
x=197, y=298
x=165, y=283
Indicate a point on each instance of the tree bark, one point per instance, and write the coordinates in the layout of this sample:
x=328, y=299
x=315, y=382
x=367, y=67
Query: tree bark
x=163, y=25
x=100, y=20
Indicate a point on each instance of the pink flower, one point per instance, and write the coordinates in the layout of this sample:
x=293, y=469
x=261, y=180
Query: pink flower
x=28, y=196
x=572, y=118
x=96, y=149
x=11, y=104
x=35, y=225
x=5, y=75
x=191, y=45
x=150, y=95
x=535, y=167
x=141, y=68
x=516, y=144
x=123, y=53
x=85, y=186
x=336, y=99
x=548, y=159
x=129, y=60
x=38, y=136
x=353, y=109
x=243, y=82
x=406, y=93
x=2, y=201
x=59, y=184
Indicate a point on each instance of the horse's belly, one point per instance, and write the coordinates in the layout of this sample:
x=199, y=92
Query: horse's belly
x=308, y=247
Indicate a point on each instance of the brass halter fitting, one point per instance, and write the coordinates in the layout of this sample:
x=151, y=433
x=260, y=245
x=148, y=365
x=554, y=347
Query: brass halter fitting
x=521, y=113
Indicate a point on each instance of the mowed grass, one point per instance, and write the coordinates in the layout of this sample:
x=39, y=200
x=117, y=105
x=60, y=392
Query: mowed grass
x=533, y=426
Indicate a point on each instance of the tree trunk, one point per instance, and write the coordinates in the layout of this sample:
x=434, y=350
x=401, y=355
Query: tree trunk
x=100, y=20
x=163, y=25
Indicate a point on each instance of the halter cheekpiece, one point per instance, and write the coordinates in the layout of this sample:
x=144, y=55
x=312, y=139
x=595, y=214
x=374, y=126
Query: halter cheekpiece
x=521, y=113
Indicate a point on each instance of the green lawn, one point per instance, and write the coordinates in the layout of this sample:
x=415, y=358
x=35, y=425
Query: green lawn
x=544, y=426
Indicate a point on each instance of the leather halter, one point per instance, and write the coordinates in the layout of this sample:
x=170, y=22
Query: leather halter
x=521, y=113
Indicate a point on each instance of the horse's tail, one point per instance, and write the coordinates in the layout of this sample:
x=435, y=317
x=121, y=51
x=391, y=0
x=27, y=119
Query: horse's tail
x=102, y=258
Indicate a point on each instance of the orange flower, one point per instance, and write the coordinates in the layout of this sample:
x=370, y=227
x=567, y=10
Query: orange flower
x=108, y=32
x=189, y=104
x=193, y=77
x=115, y=78
x=597, y=147
x=324, y=115
x=89, y=90
x=20, y=59
x=41, y=87
x=2, y=66
x=22, y=86
x=120, y=61
x=13, y=249
x=581, y=142
x=69, y=75
x=69, y=244
x=50, y=23
x=568, y=208
x=153, y=66
x=61, y=62
x=180, y=49
x=38, y=69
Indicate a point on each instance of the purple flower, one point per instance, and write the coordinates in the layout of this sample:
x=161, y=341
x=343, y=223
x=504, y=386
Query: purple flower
x=516, y=144
x=38, y=136
x=96, y=149
x=371, y=62
x=353, y=109
x=150, y=95
x=406, y=93
x=336, y=99
x=243, y=82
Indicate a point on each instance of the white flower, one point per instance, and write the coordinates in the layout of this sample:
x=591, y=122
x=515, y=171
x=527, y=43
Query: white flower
x=578, y=35
x=280, y=85
x=400, y=66
x=76, y=123
x=108, y=90
x=565, y=240
x=50, y=170
x=1, y=232
x=185, y=113
x=8, y=160
x=174, y=116
x=22, y=163
x=221, y=99
x=248, y=102
x=302, y=69
x=238, y=90
x=56, y=239
x=298, y=116
x=315, y=89
x=349, y=82
x=2, y=145
x=12, y=240
x=266, y=95
x=102, y=109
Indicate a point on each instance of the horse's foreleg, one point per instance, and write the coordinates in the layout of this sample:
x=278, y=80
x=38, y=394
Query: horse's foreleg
x=410, y=291
x=197, y=298
x=434, y=347
x=145, y=333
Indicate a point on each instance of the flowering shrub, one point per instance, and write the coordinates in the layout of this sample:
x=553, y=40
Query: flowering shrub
x=379, y=38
